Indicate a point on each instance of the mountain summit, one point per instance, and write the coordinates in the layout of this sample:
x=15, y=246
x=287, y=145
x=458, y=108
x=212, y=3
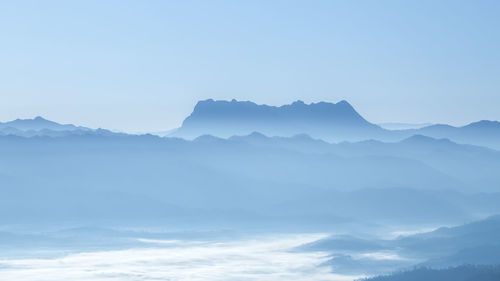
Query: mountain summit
x=36, y=124
x=40, y=126
x=331, y=121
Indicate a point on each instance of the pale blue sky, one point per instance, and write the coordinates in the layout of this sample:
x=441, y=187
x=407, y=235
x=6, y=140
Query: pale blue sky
x=142, y=65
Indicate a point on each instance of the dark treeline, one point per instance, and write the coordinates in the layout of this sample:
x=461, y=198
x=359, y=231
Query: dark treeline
x=460, y=273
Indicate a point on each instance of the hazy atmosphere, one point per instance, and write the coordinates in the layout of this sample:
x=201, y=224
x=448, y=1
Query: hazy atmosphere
x=250, y=140
x=140, y=67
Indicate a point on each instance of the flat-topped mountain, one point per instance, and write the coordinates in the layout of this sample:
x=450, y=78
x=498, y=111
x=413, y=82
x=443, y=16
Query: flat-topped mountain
x=330, y=121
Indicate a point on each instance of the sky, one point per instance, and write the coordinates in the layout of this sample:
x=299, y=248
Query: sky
x=140, y=66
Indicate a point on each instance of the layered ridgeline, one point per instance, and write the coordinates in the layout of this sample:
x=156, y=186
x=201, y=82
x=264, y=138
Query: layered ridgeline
x=484, y=133
x=298, y=180
x=328, y=121
x=473, y=244
x=49, y=170
x=54, y=174
x=39, y=126
x=333, y=122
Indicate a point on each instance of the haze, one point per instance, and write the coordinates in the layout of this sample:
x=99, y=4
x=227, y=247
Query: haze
x=250, y=140
x=141, y=67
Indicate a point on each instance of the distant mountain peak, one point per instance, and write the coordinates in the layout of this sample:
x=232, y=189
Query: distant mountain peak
x=208, y=138
x=37, y=125
x=421, y=139
x=257, y=135
x=40, y=118
x=483, y=124
x=344, y=103
x=319, y=120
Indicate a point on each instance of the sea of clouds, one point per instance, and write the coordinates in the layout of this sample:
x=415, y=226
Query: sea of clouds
x=263, y=259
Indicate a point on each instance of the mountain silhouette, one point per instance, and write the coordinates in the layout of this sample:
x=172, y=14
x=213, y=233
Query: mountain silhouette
x=330, y=121
x=36, y=124
x=322, y=121
x=460, y=273
x=40, y=126
x=474, y=243
x=484, y=133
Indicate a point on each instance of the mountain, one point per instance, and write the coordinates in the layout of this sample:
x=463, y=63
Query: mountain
x=39, y=126
x=329, y=121
x=458, y=161
x=440, y=242
x=403, y=126
x=474, y=243
x=460, y=273
x=473, y=234
x=484, y=133
x=277, y=177
x=332, y=122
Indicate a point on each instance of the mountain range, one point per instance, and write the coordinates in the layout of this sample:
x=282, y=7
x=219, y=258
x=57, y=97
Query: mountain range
x=37, y=124
x=331, y=122
x=40, y=126
x=474, y=243
x=88, y=172
x=235, y=165
x=114, y=176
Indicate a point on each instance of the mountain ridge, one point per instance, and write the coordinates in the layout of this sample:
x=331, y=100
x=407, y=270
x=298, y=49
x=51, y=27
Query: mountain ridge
x=39, y=123
x=330, y=122
x=227, y=118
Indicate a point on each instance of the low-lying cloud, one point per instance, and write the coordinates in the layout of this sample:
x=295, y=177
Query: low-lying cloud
x=266, y=259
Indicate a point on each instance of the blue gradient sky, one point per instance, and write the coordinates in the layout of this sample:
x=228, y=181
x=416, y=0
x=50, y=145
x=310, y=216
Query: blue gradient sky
x=142, y=65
